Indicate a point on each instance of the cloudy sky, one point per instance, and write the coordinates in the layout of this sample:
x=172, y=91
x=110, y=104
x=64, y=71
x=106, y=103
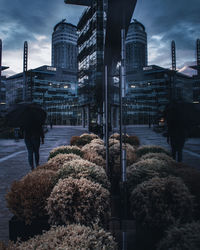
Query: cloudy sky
x=33, y=20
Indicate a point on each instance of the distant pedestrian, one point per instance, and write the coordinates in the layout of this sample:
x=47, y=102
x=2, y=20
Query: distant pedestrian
x=51, y=124
x=32, y=137
x=176, y=131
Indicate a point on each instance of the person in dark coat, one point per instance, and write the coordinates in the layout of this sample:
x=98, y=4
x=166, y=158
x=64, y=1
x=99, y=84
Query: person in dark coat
x=176, y=130
x=32, y=137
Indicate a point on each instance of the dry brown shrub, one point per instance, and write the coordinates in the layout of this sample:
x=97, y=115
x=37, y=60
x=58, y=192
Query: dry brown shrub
x=71, y=237
x=27, y=197
x=65, y=150
x=74, y=140
x=92, y=136
x=57, y=162
x=98, y=141
x=114, y=153
x=78, y=201
x=95, y=153
x=83, y=168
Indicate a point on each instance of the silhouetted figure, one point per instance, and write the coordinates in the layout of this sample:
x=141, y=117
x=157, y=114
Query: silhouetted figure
x=51, y=124
x=32, y=137
x=176, y=130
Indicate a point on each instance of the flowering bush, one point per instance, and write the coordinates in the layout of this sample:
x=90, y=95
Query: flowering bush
x=58, y=161
x=145, y=170
x=78, y=201
x=65, y=150
x=27, y=197
x=71, y=237
x=86, y=169
x=142, y=150
x=114, y=158
x=161, y=202
x=159, y=156
x=185, y=237
x=95, y=153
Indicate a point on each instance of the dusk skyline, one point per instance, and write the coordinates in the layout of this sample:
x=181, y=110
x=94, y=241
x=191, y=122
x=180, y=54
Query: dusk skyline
x=34, y=22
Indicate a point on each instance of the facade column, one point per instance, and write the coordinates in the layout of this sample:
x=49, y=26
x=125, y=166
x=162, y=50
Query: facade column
x=83, y=116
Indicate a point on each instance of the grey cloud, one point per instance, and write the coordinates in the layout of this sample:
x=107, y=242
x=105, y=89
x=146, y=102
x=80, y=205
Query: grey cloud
x=31, y=18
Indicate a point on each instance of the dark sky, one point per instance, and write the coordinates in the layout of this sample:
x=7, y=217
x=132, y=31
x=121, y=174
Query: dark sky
x=165, y=20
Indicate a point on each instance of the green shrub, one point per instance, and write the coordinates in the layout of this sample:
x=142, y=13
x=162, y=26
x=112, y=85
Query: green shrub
x=142, y=150
x=161, y=202
x=27, y=197
x=71, y=237
x=82, y=168
x=65, y=150
x=185, y=237
x=78, y=201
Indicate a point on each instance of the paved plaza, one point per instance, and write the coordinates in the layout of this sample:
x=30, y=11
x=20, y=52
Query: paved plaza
x=14, y=162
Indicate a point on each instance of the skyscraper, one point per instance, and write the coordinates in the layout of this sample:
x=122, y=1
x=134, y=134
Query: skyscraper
x=136, y=47
x=64, y=46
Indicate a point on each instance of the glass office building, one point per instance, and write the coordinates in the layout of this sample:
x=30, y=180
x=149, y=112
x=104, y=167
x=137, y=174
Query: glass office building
x=53, y=88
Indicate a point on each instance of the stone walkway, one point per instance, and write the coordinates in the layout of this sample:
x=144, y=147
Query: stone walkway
x=14, y=163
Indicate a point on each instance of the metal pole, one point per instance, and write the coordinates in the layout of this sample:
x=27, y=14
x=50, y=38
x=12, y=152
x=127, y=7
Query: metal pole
x=106, y=136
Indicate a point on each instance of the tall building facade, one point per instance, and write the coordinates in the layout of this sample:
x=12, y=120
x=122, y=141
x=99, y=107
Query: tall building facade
x=64, y=46
x=91, y=28
x=136, y=47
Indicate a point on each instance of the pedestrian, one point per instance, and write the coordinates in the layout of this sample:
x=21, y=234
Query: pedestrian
x=51, y=124
x=176, y=131
x=32, y=137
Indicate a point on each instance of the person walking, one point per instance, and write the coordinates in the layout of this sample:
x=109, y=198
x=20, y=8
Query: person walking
x=33, y=135
x=176, y=130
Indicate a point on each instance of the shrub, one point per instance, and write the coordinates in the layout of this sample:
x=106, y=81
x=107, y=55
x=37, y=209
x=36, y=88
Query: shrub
x=80, y=140
x=142, y=150
x=159, y=156
x=82, y=168
x=113, y=141
x=71, y=237
x=65, y=150
x=145, y=170
x=97, y=141
x=27, y=197
x=95, y=153
x=114, y=159
x=58, y=161
x=191, y=177
x=2, y=246
x=133, y=140
x=161, y=202
x=78, y=201
x=185, y=237
x=92, y=136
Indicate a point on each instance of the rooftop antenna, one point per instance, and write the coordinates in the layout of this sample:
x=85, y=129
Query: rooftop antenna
x=173, y=51
x=198, y=56
x=25, y=66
